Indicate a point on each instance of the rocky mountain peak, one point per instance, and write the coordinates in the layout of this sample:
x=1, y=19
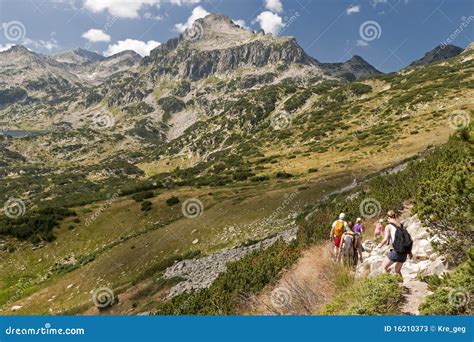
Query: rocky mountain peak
x=19, y=49
x=439, y=53
x=352, y=69
x=78, y=56
x=215, y=45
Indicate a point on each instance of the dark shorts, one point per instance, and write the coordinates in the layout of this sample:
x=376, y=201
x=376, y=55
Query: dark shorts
x=395, y=257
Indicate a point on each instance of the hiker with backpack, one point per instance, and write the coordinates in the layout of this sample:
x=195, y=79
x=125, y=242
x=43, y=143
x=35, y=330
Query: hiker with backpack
x=337, y=230
x=401, y=241
x=358, y=230
x=348, y=247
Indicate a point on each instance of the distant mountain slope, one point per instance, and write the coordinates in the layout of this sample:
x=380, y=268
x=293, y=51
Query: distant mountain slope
x=351, y=70
x=78, y=56
x=439, y=53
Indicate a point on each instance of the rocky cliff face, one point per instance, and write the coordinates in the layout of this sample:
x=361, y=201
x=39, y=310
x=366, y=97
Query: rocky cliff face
x=219, y=46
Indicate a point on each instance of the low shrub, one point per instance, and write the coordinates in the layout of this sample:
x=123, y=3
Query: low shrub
x=172, y=201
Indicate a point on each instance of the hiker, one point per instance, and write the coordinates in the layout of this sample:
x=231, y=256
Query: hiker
x=337, y=230
x=358, y=230
x=378, y=229
x=400, y=239
x=347, y=248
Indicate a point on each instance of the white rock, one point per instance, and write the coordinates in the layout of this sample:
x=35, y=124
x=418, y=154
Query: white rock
x=437, y=267
x=422, y=249
x=69, y=286
x=16, y=307
x=195, y=241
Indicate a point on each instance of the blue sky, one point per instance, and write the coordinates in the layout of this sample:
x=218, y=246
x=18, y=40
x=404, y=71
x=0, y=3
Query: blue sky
x=396, y=31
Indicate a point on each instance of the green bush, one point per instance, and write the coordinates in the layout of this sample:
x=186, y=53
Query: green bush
x=381, y=295
x=172, y=201
x=242, y=279
x=283, y=175
x=139, y=197
x=146, y=206
x=452, y=294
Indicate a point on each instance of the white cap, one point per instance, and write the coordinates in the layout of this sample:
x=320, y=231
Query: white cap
x=342, y=216
x=358, y=219
x=381, y=220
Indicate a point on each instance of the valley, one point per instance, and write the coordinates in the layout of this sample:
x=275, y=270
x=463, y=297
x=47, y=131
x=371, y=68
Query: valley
x=245, y=125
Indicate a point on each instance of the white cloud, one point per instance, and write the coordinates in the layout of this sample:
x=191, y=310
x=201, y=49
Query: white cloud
x=353, y=9
x=140, y=47
x=270, y=22
x=95, y=36
x=274, y=5
x=41, y=44
x=198, y=13
x=184, y=2
x=149, y=15
x=129, y=8
x=120, y=8
x=362, y=43
x=5, y=47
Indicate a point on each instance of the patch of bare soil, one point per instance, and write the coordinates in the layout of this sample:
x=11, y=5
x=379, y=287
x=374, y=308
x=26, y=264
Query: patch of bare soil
x=302, y=290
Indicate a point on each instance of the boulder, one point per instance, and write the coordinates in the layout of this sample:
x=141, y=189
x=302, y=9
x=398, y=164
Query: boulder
x=437, y=267
x=422, y=249
x=410, y=270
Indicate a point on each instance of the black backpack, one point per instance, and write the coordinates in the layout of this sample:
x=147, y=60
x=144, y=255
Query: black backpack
x=403, y=241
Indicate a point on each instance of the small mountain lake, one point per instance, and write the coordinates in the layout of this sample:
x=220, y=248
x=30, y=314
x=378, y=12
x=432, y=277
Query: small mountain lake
x=20, y=133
